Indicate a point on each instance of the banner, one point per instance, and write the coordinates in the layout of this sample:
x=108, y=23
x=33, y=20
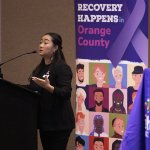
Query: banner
x=111, y=54
x=137, y=134
x=104, y=29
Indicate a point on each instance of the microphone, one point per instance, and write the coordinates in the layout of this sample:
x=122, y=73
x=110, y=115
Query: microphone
x=17, y=57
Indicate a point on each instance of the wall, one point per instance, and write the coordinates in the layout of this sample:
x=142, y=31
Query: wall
x=23, y=24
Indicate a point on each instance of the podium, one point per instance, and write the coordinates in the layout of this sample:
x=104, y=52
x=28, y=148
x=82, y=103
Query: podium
x=18, y=117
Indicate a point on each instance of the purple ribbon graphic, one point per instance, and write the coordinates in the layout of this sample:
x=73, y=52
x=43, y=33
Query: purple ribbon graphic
x=131, y=33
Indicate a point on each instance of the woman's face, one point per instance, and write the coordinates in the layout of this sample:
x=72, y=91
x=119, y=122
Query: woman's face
x=46, y=47
x=118, y=76
x=98, y=145
x=99, y=75
x=119, y=126
x=80, y=99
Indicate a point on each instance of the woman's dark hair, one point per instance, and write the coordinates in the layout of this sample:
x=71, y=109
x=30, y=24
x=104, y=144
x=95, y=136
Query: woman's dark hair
x=57, y=56
x=57, y=41
x=118, y=94
x=79, y=140
x=114, y=143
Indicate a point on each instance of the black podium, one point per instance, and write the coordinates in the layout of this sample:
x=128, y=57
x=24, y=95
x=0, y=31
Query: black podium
x=18, y=117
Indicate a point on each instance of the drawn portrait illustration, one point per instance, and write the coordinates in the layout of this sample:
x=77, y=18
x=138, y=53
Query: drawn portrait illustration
x=98, y=125
x=118, y=101
x=98, y=100
x=98, y=75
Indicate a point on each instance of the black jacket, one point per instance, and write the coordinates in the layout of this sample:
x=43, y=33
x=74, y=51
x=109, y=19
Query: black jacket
x=55, y=112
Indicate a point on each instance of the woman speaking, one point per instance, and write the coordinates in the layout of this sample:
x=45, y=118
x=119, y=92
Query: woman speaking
x=52, y=78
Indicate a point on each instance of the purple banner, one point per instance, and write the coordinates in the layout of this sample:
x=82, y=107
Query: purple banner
x=115, y=30
x=111, y=55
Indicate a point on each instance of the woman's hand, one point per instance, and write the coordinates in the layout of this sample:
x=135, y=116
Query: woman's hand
x=44, y=83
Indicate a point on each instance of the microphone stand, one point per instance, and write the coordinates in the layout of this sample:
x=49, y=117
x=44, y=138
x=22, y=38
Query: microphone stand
x=1, y=75
x=16, y=57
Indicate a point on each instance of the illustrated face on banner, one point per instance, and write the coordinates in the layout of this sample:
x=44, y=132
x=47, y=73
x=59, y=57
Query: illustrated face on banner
x=98, y=145
x=98, y=97
x=99, y=75
x=118, y=99
x=80, y=73
x=98, y=124
x=137, y=78
x=80, y=122
x=117, y=74
x=137, y=75
x=80, y=98
x=118, y=126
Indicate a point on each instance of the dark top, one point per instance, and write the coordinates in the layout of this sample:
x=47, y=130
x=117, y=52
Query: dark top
x=116, y=135
x=130, y=91
x=94, y=109
x=1, y=75
x=121, y=111
x=55, y=108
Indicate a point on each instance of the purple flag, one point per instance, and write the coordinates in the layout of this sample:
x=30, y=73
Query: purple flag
x=137, y=134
